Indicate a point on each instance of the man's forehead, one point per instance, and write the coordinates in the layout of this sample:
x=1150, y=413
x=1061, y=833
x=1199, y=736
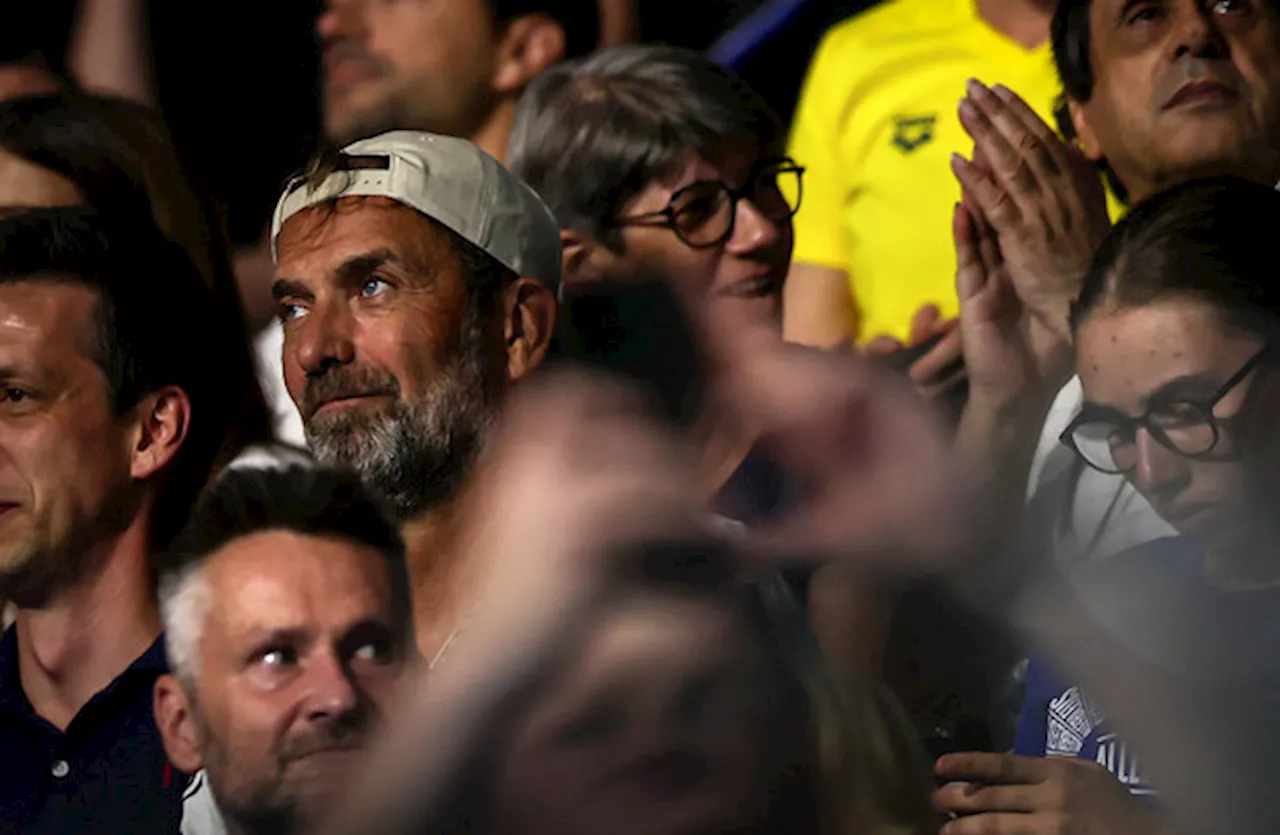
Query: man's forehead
x=274, y=576
x=344, y=222
x=44, y=307
x=319, y=240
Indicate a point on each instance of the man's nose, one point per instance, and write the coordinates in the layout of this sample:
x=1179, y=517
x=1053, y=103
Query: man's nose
x=340, y=18
x=324, y=338
x=1196, y=32
x=331, y=693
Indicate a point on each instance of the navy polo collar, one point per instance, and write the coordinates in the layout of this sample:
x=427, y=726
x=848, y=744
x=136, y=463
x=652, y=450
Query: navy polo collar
x=153, y=662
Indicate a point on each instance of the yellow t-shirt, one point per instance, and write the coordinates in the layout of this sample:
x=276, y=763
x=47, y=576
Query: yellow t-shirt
x=875, y=128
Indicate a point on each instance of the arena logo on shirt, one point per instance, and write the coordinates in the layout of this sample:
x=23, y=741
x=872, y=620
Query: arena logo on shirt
x=1075, y=729
x=1115, y=756
x=910, y=132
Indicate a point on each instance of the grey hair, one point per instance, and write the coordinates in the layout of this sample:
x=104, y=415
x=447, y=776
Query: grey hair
x=312, y=501
x=184, y=605
x=590, y=135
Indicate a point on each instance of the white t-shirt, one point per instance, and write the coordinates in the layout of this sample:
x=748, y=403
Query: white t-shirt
x=267, y=347
x=200, y=815
x=1084, y=515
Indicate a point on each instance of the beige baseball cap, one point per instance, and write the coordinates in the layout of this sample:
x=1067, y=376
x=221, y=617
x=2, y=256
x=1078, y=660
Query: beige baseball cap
x=451, y=181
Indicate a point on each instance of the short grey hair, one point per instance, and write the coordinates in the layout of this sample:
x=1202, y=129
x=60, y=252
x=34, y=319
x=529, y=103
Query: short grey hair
x=590, y=135
x=184, y=605
x=314, y=501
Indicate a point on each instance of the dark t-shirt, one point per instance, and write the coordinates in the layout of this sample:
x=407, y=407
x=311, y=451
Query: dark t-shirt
x=1189, y=671
x=106, y=773
x=946, y=663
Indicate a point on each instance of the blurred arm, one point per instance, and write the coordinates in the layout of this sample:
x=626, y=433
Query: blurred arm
x=255, y=271
x=818, y=308
x=109, y=50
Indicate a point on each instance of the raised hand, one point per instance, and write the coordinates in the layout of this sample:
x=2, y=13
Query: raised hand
x=1044, y=199
x=575, y=474
x=878, y=486
x=1009, y=352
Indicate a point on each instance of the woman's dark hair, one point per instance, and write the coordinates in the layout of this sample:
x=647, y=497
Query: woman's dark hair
x=121, y=159
x=1211, y=238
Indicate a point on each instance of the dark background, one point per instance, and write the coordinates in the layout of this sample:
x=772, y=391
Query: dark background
x=236, y=79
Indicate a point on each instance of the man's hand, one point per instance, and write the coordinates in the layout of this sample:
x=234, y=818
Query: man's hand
x=1044, y=199
x=1003, y=794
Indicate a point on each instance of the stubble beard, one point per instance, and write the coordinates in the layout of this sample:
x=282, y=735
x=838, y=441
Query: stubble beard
x=415, y=454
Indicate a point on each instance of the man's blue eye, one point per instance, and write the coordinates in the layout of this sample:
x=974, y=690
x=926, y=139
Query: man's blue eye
x=373, y=287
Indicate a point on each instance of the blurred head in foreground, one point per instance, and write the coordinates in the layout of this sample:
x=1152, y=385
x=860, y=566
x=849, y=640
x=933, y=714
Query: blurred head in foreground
x=691, y=706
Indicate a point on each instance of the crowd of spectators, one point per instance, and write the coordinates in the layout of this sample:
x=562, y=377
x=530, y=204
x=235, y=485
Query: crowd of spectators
x=585, y=447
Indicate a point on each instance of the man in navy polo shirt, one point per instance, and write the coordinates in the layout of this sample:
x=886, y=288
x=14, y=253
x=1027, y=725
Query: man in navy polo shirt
x=109, y=426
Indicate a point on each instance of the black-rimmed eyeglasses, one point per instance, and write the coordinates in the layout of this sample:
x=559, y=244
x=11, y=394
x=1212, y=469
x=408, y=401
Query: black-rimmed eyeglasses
x=704, y=214
x=1186, y=426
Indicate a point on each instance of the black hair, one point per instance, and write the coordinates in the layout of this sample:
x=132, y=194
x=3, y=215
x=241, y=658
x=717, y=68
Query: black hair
x=1209, y=238
x=580, y=20
x=119, y=156
x=1069, y=34
x=589, y=136
x=314, y=501
x=150, y=328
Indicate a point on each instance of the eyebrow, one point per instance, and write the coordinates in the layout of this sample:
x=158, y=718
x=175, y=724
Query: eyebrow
x=37, y=372
x=284, y=288
x=1204, y=383
x=353, y=635
x=354, y=270
x=257, y=639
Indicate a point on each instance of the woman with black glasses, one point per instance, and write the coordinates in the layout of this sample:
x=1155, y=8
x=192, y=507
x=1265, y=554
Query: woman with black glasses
x=1175, y=336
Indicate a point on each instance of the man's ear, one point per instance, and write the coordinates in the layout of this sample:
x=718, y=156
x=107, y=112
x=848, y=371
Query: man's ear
x=529, y=312
x=163, y=420
x=1084, y=131
x=528, y=46
x=175, y=717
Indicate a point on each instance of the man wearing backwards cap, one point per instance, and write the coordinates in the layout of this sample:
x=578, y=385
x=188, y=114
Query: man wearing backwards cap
x=416, y=280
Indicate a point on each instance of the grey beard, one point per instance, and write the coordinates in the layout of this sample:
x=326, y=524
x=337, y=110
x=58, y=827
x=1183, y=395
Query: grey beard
x=415, y=454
